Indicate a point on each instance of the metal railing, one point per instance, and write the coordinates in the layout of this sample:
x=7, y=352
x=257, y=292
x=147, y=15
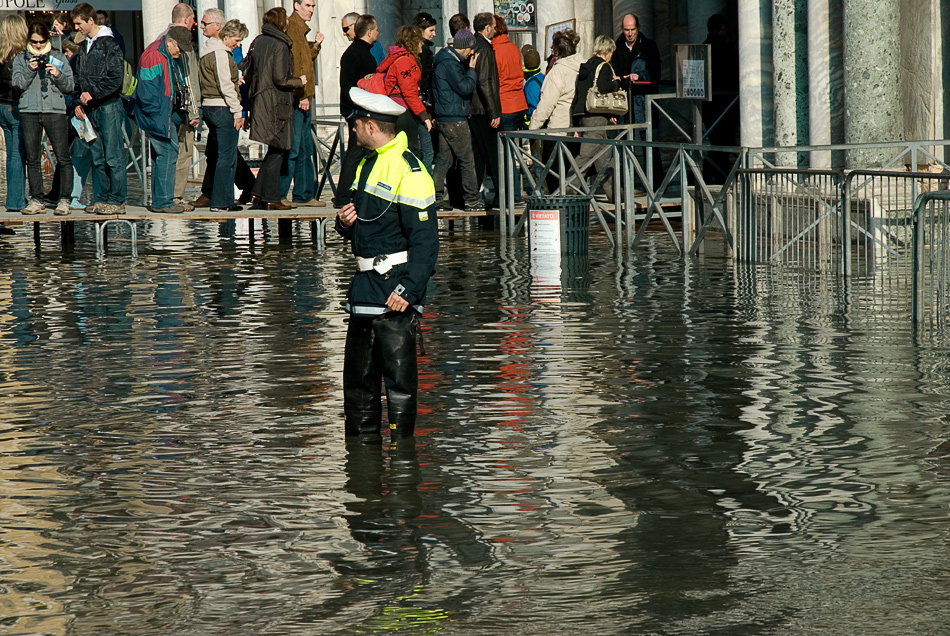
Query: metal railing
x=931, y=258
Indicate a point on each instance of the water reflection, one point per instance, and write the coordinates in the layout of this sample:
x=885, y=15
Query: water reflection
x=623, y=444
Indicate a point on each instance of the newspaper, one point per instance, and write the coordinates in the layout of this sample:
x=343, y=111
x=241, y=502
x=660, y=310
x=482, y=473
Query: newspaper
x=84, y=128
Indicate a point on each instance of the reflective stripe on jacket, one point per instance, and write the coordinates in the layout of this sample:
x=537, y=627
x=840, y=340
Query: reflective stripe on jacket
x=395, y=203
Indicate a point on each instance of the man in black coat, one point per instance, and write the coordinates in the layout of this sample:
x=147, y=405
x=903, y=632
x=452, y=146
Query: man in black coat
x=637, y=62
x=486, y=103
x=356, y=63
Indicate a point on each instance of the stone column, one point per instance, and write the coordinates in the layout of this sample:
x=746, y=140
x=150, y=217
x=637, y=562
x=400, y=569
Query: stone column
x=156, y=16
x=246, y=11
x=919, y=21
x=755, y=72
x=872, y=78
x=584, y=19
x=819, y=79
x=790, y=77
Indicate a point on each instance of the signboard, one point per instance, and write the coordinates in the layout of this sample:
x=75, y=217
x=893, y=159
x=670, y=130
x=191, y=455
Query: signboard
x=693, y=71
x=544, y=231
x=69, y=5
x=519, y=15
x=549, y=32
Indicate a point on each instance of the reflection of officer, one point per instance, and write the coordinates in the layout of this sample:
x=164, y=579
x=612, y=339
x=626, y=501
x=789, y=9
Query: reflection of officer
x=393, y=228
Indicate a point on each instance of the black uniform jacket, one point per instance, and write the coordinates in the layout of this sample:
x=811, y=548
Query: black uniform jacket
x=395, y=204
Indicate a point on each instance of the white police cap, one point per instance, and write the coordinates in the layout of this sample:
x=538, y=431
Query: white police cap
x=374, y=106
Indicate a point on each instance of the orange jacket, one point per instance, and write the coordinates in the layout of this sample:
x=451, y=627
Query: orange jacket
x=510, y=75
x=402, y=80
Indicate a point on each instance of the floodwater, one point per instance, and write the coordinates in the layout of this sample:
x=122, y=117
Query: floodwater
x=639, y=445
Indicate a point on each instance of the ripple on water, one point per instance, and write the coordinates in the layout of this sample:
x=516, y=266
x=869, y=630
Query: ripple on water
x=654, y=446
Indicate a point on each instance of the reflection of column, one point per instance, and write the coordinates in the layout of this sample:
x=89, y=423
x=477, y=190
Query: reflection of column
x=872, y=78
x=788, y=49
x=755, y=72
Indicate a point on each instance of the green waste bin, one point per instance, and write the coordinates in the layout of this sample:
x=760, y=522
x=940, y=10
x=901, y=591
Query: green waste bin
x=573, y=216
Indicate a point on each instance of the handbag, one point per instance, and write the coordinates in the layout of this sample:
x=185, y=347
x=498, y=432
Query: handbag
x=598, y=103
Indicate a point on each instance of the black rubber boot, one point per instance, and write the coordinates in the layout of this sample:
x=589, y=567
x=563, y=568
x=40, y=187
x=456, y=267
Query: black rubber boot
x=362, y=407
x=396, y=344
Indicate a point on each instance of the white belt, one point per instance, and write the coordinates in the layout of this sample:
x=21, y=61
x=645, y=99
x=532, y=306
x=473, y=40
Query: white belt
x=382, y=263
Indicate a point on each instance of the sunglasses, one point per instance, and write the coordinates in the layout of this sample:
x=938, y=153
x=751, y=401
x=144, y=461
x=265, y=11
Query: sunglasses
x=206, y=24
x=346, y=29
x=32, y=41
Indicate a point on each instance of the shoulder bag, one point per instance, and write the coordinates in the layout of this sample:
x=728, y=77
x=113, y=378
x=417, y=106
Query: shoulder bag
x=612, y=104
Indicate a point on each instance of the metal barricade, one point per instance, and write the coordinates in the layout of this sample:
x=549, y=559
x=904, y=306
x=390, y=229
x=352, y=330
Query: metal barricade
x=931, y=258
x=789, y=216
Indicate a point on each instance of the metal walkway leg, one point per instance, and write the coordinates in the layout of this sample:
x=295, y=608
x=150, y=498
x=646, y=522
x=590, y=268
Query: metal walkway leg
x=102, y=226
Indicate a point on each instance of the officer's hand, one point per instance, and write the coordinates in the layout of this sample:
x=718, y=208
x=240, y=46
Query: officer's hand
x=347, y=215
x=397, y=302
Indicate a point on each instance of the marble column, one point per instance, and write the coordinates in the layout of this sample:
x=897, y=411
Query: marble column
x=584, y=19
x=247, y=11
x=156, y=16
x=920, y=69
x=755, y=72
x=826, y=81
x=873, y=108
x=790, y=77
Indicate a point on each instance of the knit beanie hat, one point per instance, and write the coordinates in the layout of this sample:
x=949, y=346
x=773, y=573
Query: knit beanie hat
x=464, y=39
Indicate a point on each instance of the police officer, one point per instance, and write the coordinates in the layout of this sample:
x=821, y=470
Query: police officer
x=392, y=224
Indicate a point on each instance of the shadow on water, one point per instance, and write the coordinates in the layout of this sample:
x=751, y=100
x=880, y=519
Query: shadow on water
x=611, y=443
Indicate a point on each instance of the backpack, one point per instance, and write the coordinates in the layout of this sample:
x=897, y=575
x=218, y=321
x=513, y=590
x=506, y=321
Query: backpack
x=376, y=83
x=129, y=81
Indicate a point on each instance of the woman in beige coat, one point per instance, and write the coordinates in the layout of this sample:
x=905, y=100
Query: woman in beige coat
x=557, y=93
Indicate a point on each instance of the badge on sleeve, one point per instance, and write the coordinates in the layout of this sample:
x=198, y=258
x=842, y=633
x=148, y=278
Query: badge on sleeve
x=423, y=215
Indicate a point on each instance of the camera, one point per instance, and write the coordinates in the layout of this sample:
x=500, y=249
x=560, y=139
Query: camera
x=41, y=60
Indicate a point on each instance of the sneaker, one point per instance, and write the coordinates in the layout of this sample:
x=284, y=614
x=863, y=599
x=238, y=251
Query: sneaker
x=117, y=209
x=171, y=209
x=95, y=208
x=62, y=208
x=289, y=205
x=233, y=208
x=312, y=203
x=35, y=206
x=478, y=206
x=184, y=205
x=76, y=205
x=444, y=206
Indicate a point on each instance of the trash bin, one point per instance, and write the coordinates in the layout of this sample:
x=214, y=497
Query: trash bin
x=558, y=223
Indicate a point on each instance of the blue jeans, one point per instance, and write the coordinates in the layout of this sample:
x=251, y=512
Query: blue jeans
x=513, y=121
x=16, y=157
x=221, y=151
x=82, y=167
x=298, y=163
x=108, y=152
x=164, y=151
x=425, y=146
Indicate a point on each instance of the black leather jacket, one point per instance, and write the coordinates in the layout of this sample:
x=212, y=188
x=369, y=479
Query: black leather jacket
x=487, y=98
x=99, y=71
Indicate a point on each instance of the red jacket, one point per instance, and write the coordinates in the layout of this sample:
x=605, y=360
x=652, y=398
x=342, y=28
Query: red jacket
x=402, y=80
x=510, y=75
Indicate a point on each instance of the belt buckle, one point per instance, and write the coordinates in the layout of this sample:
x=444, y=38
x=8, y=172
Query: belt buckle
x=381, y=264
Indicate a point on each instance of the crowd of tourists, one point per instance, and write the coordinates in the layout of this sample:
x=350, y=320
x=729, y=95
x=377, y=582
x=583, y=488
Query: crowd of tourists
x=71, y=81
